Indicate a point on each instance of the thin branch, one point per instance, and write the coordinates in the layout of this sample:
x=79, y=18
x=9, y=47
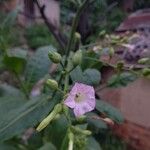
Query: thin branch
x=56, y=33
x=74, y=27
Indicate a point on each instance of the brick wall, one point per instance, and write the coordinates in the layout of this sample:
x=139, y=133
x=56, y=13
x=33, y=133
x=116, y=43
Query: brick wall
x=136, y=136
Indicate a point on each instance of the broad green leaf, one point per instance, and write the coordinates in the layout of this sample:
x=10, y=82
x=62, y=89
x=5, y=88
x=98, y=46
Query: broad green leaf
x=38, y=65
x=17, y=52
x=4, y=146
x=89, y=76
x=77, y=75
x=92, y=144
x=109, y=110
x=65, y=142
x=36, y=140
x=95, y=124
x=120, y=80
x=18, y=119
x=8, y=90
x=48, y=146
x=10, y=103
x=15, y=60
x=14, y=64
x=91, y=60
x=57, y=130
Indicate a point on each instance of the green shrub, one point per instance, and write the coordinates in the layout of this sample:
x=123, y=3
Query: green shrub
x=38, y=35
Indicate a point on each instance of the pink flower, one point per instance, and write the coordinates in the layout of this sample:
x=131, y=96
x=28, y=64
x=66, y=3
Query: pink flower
x=81, y=99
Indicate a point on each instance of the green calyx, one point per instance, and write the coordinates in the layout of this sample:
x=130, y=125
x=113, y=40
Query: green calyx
x=54, y=57
x=77, y=58
x=52, y=84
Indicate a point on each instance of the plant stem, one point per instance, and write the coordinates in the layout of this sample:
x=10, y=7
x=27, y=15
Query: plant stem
x=61, y=63
x=61, y=39
x=73, y=30
x=71, y=39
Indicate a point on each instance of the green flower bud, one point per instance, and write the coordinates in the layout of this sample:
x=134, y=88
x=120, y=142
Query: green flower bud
x=52, y=84
x=144, y=60
x=77, y=58
x=86, y=132
x=77, y=36
x=111, y=51
x=57, y=109
x=54, y=57
x=146, y=72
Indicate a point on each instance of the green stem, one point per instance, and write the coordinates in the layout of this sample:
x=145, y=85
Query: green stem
x=61, y=63
x=71, y=69
x=74, y=26
x=66, y=79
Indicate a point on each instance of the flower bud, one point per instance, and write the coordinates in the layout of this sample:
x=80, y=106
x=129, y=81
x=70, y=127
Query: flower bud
x=111, y=52
x=52, y=84
x=77, y=58
x=144, y=60
x=54, y=57
x=57, y=109
x=77, y=36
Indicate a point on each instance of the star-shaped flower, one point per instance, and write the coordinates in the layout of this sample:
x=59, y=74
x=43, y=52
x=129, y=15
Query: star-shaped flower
x=81, y=99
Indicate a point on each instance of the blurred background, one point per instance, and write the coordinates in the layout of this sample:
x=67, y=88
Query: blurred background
x=25, y=29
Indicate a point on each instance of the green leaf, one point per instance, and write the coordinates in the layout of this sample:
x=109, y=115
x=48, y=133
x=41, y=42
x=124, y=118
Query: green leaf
x=109, y=110
x=89, y=76
x=95, y=124
x=8, y=90
x=15, y=60
x=57, y=130
x=17, y=52
x=120, y=80
x=19, y=118
x=15, y=64
x=91, y=60
x=48, y=146
x=92, y=144
x=38, y=65
x=6, y=147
